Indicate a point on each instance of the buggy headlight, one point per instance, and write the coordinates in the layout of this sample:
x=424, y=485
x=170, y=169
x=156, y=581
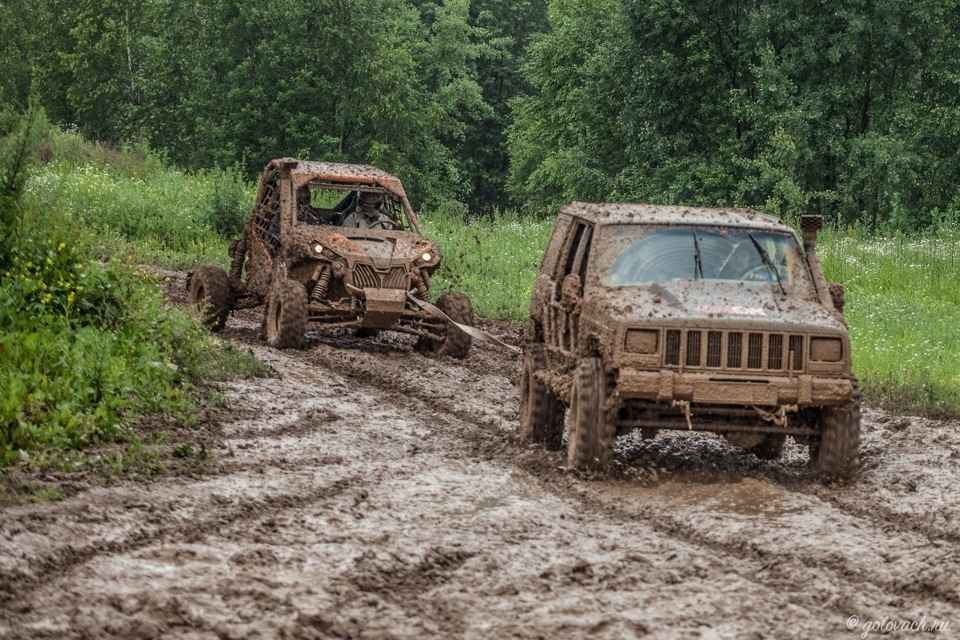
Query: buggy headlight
x=426, y=257
x=317, y=248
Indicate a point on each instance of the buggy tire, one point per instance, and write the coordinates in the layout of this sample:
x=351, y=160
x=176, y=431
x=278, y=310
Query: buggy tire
x=770, y=448
x=541, y=412
x=208, y=293
x=455, y=343
x=286, y=318
x=592, y=431
x=835, y=454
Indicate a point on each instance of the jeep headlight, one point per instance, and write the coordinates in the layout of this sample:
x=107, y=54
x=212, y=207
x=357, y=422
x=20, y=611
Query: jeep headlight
x=641, y=341
x=826, y=349
x=317, y=248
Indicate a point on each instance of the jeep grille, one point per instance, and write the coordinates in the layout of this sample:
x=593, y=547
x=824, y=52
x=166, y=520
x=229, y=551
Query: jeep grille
x=764, y=351
x=365, y=276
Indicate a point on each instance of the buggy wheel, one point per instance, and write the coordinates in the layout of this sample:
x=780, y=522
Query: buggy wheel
x=592, y=432
x=287, y=315
x=208, y=293
x=835, y=454
x=541, y=412
x=455, y=342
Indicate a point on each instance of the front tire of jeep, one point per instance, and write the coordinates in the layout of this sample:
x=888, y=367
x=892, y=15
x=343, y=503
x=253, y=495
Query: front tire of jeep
x=835, y=454
x=208, y=293
x=287, y=315
x=592, y=432
x=455, y=342
x=541, y=412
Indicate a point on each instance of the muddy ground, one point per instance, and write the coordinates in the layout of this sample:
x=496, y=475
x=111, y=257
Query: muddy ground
x=373, y=492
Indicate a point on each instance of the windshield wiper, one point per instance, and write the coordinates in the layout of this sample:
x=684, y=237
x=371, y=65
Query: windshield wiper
x=767, y=262
x=698, y=264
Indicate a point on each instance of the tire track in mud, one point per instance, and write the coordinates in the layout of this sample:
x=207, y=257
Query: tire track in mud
x=16, y=583
x=772, y=566
x=438, y=523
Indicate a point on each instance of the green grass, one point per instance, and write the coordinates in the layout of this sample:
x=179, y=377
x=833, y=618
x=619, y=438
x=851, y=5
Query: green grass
x=494, y=264
x=85, y=347
x=903, y=310
x=137, y=206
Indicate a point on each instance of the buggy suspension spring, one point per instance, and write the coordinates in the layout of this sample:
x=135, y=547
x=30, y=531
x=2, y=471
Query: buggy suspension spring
x=322, y=276
x=422, y=284
x=238, y=254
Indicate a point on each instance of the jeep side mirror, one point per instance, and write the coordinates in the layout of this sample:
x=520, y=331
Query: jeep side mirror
x=571, y=291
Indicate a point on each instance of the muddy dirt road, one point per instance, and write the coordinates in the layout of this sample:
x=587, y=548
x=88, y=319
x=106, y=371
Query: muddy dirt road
x=372, y=492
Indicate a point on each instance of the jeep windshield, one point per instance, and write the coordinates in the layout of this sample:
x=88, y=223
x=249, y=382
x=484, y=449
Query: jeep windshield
x=639, y=255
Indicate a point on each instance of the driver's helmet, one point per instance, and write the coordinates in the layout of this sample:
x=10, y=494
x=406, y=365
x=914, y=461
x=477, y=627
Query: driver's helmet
x=370, y=203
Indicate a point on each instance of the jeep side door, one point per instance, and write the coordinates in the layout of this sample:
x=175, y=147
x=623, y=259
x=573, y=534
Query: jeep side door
x=566, y=292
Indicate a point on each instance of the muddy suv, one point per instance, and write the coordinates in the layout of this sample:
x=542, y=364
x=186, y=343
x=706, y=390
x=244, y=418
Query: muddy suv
x=650, y=317
x=337, y=246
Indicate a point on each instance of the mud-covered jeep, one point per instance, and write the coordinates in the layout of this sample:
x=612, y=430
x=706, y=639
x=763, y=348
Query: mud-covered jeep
x=337, y=245
x=655, y=317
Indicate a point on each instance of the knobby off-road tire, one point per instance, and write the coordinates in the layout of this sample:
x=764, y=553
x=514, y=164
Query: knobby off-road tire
x=835, y=455
x=286, y=315
x=455, y=343
x=592, y=432
x=208, y=293
x=541, y=412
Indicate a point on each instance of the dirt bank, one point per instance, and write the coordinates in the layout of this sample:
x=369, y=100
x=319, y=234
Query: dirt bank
x=372, y=492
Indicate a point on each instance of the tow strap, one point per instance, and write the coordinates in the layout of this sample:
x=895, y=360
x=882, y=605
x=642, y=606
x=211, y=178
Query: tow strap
x=473, y=332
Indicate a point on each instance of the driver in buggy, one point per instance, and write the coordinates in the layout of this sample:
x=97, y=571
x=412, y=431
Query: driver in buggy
x=369, y=211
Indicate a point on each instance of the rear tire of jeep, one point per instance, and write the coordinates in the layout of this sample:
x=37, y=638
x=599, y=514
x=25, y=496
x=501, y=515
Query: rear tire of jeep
x=455, y=342
x=835, y=454
x=208, y=293
x=287, y=315
x=592, y=432
x=541, y=412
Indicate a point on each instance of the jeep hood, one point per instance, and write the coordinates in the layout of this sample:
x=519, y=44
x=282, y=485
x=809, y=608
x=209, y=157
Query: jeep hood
x=708, y=303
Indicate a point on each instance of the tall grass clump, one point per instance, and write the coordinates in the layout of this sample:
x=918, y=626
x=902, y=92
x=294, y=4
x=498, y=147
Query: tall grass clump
x=84, y=348
x=494, y=261
x=903, y=309
x=137, y=204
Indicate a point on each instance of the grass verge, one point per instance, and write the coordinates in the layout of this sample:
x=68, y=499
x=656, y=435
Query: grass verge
x=86, y=349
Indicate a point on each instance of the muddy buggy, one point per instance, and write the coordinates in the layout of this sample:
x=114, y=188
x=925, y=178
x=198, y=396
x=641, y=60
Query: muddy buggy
x=654, y=317
x=335, y=246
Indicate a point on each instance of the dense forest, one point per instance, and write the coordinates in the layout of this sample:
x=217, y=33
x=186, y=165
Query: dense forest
x=846, y=108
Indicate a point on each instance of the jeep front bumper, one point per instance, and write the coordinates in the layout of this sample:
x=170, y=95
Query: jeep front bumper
x=745, y=390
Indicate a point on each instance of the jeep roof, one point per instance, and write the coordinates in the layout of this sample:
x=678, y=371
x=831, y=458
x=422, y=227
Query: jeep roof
x=618, y=213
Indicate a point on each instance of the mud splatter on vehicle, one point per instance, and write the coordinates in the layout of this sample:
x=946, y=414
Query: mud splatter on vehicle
x=659, y=317
x=336, y=246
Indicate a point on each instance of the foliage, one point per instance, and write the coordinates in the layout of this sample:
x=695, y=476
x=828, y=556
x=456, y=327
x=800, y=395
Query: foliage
x=84, y=348
x=850, y=111
x=221, y=83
